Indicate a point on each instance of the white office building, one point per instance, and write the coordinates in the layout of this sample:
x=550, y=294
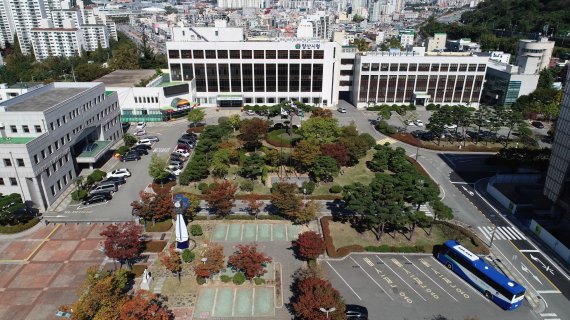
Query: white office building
x=533, y=48
x=47, y=135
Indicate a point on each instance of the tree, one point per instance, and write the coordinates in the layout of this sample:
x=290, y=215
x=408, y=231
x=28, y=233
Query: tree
x=440, y=211
x=221, y=197
x=253, y=204
x=123, y=242
x=145, y=306
x=321, y=130
x=196, y=169
x=357, y=146
x=234, y=121
x=336, y=151
x=214, y=262
x=129, y=140
x=249, y=261
x=321, y=113
x=153, y=206
x=357, y=18
x=125, y=57
x=171, y=260
x=252, y=166
x=308, y=212
x=324, y=169
x=89, y=71
x=315, y=293
x=438, y=120
x=157, y=168
x=221, y=163
x=252, y=131
x=306, y=152
x=195, y=116
x=284, y=196
x=309, y=245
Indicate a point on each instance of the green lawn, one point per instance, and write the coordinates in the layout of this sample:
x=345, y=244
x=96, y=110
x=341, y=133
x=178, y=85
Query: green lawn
x=358, y=173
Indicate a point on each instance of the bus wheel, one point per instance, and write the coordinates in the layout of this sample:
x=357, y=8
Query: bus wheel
x=488, y=295
x=449, y=266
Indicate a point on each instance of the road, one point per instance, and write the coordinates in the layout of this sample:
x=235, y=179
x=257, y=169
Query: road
x=457, y=174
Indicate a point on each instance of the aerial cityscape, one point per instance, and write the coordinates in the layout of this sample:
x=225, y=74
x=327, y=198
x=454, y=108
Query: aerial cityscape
x=284, y=159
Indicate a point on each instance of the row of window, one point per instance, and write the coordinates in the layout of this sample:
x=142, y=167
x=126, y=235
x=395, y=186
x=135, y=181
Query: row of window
x=246, y=54
x=66, y=179
x=26, y=128
x=424, y=67
x=13, y=181
x=247, y=77
x=146, y=99
x=57, y=164
x=19, y=161
x=272, y=100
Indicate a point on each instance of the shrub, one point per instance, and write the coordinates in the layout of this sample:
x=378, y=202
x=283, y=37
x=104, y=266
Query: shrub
x=258, y=281
x=122, y=150
x=270, y=217
x=203, y=187
x=223, y=120
x=431, y=107
x=239, y=278
x=78, y=195
x=201, y=280
x=225, y=278
x=188, y=256
x=98, y=175
x=308, y=187
x=335, y=189
x=312, y=263
x=196, y=230
x=247, y=186
x=385, y=128
x=239, y=217
x=19, y=227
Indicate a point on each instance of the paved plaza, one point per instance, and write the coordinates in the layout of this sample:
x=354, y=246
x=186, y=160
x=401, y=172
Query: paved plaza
x=43, y=270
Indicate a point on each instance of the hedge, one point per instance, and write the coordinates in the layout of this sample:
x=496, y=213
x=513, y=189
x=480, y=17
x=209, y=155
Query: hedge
x=402, y=249
x=239, y=217
x=239, y=278
x=78, y=195
x=225, y=278
x=409, y=139
x=188, y=256
x=159, y=226
x=331, y=250
x=268, y=196
x=196, y=230
x=273, y=139
x=258, y=281
x=270, y=217
x=19, y=227
x=335, y=189
x=201, y=280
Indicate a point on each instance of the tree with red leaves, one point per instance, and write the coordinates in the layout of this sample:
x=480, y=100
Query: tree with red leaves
x=221, y=197
x=154, y=206
x=309, y=245
x=336, y=151
x=247, y=260
x=252, y=131
x=214, y=257
x=171, y=260
x=285, y=197
x=315, y=293
x=145, y=306
x=253, y=204
x=123, y=242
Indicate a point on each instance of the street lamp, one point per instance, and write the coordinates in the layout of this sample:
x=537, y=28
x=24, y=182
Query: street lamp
x=417, y=151
x=492, y=237
x=327, y=311
x=304, y=194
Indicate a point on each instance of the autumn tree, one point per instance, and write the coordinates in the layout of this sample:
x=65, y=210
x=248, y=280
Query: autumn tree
x=145, y=306
x=336, y=151
x=321, y=113
x=285, y=197
x=214, y=262
x=221, y=197
x=153, y=206
x=309, y=245
x=306, y=153
x=249, y=261
x=171, y=260
x=253, y=204
x=123, y=242
x=307, y=213
x=252, y=131
x=315, y=293
x=323, y=130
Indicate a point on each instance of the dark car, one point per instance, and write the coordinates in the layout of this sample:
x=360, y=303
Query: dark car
x=116, y=180
x=177, y=157
x=142, y=146
x=98, y=197
x=131, y=156
x=537, y=124
x=140, y=151
x=191, y=135
x=354, y=311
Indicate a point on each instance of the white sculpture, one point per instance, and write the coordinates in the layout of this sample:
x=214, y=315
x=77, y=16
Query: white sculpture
x=146, y=280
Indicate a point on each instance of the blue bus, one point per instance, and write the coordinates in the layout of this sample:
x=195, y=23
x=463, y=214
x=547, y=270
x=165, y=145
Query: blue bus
x=493, y=284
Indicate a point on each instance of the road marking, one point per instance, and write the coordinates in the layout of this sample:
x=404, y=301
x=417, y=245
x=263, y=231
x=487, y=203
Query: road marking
x=369, y=276
x=420, y=270
x=461, y=182
x=397, y=275
x=333, y=269
x=161, y=150
x=461, y=280
x=528, y=250
x=548, y=291
x=548, y=314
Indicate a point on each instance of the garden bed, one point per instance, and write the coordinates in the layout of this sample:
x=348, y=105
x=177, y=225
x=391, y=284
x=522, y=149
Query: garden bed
x=19, y=227
x=280, y=138
x=446, y=146
x=159, y=226
x=154, y=246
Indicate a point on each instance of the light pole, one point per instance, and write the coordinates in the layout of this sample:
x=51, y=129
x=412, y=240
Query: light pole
x=304, y=194
x=417, y=151
x=492, y=237
x=327, y=311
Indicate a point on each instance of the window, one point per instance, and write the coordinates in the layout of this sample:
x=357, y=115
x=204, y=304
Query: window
x=246, y=54
x=435, y=67
x=7, y=162
x=294, y=55
x=403, y=67
x=365, y=67
x=1, y=181
x=198, y=54
x=270, y=54
x=56, y=145
x=375, y=67
x=307, y=54
x=210, y=54
x=173, y=54
x=13, y=182
x=58, y=123
x=346, y=61
x=186, y=54
x=413, y=67
x=38, y=128
x=50, y=150
x=48, y=172
x=13, y=129
x=36, y=160
x=283, y=54
x=20, y=162
x=222, y=54
x=43, y=154
x=318, y=54
x=234, y=54
x=26, y=129
x=258, y=54
x=52, y=190
x=463, y=67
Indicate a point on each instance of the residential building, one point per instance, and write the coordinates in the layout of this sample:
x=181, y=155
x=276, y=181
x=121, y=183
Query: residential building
x=407, y=38
x=314, y=26
x=557, y=184
x=238, y=4
x=47, y=135
x=23, y=16
x=437, y=42
x=61, y=42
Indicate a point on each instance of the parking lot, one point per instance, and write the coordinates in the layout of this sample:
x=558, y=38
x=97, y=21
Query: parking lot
x=255, y=232
x=399, y=286
x=235, y=302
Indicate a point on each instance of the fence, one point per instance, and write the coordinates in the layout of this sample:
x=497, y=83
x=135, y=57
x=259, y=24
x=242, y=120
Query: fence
x=550, y=240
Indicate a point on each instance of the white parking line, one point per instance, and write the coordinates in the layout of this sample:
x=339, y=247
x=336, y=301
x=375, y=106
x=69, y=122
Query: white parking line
x=397, y=275
x=341, y=278
x=437, y=284
x=371, y=278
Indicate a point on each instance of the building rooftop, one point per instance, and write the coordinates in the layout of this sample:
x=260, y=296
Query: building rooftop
x=34, y=101
x=23, y=85
x=19, y=140
x=125, y=78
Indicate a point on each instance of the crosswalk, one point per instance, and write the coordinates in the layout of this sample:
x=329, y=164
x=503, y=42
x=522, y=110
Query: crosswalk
x=550, y=316
x=426, y=210
x=502, y=233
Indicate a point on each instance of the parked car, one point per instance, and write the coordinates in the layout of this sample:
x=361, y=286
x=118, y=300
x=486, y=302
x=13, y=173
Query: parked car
x=104, y=188
x=354, y=311
x=537, y=124
x=131, y=156
x=450, y=126
x=188, y=143
x=175, y=172
x=417, y=133
x=96, y=198
x=419, y=123
x=140, y=151
x=174, y=167
x=250, y=112
x=177, y=157
x=183, y=147
x=141, y=125
x=144, y=141
x=182, y=152
x=123, y=172
x=176, y=162
x=190, y=135
x=409, y=123
x=116, y=180
x=341, y=110
x=139, y=133
x=152, y=138
x=142, y=146
x=188, y=138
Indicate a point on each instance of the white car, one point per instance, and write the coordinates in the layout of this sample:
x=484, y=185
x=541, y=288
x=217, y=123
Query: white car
x=140, y=132
x=450, y=126
x=250, y=112
x=341, y=110
x=419, y=123
x=145, y=141
x=175, y=172
x=123, y=172
x=182, y=152
x=172, y=167
x=409, y=123
x=141, y=125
